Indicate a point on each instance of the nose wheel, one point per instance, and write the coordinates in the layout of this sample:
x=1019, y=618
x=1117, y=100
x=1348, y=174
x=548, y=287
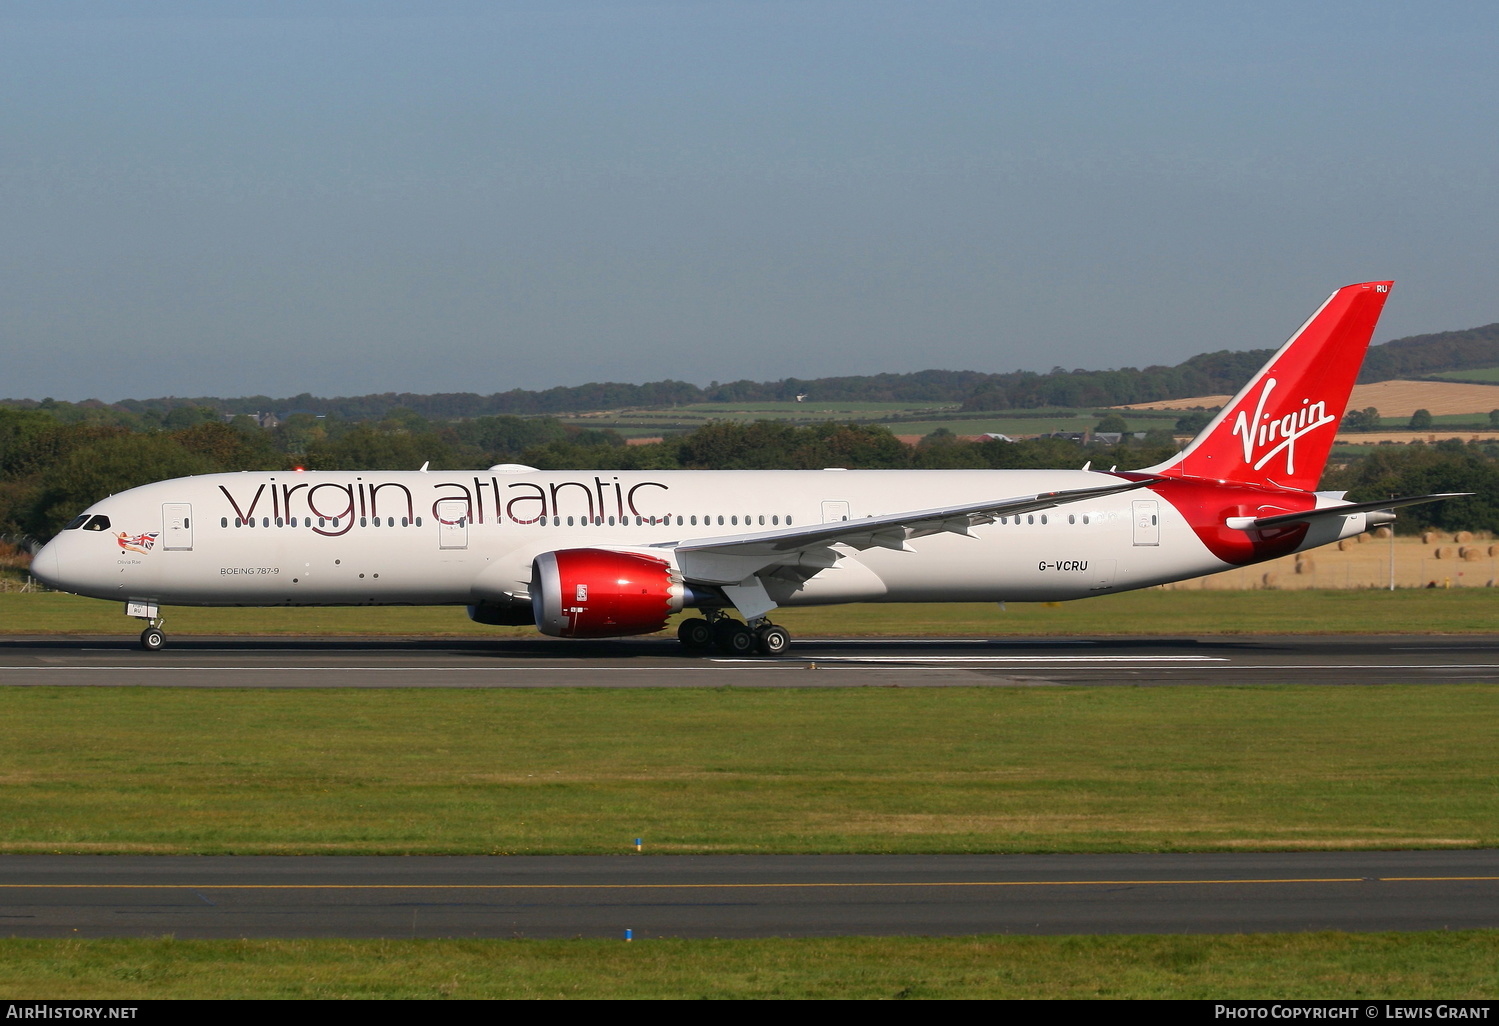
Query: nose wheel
x=152, y=639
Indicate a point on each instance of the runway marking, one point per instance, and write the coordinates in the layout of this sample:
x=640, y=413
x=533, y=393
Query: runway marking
x=984, y=659
x=1164, y=662
x=702, y=886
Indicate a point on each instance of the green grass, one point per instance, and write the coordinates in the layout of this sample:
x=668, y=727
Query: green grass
x=1362, y=967
x=880, y=769
x=1149, y=612
x=1482, y=375
x=1017, y=426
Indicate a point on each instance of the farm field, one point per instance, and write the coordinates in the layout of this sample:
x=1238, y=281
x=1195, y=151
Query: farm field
x=1217, y=606
x=901, y=418
x=1393, y=399
x=1447, y=964
x=731, y=770
x=1015, y=426
x=1483, y=374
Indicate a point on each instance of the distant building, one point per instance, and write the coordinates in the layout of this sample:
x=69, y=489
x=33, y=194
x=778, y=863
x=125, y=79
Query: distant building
x=267, y=421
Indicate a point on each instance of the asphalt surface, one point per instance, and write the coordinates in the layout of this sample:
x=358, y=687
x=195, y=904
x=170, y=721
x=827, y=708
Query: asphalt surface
x=744, y=896
x=824, y=662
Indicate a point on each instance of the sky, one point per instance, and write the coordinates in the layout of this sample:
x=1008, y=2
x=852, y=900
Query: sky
x=216, y=198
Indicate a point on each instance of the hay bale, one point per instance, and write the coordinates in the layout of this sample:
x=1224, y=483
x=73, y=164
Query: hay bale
x=1463, y=537
x=1361, y=538
x=1383, y=532
x=1345, y=544
x=1446, y=552
x=1494, y=550
x=1473, y=553
x=1304, y=566
x=1270, y=579
x=1427, y=537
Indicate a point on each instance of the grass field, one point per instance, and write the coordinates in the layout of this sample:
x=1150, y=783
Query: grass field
x=1483, y=375
x=1045, y=769
x=1458, y=964
x=1149, y=612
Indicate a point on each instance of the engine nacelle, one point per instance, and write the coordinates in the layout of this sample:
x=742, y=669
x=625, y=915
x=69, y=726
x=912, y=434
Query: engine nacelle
x=596, y=593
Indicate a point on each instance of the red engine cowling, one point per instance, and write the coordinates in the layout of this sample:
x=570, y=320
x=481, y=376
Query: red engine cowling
x=595, y=593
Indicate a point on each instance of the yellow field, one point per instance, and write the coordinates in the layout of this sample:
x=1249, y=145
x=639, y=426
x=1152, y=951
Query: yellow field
x=1440, y=560
x=1390, y=398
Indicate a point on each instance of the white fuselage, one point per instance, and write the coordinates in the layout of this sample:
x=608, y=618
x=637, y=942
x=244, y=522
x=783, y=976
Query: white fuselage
x=430, y=538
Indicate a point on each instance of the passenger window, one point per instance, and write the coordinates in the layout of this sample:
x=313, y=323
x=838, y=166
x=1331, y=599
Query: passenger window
x=279, y=523
x=762, y=519
x=364, y=522
x=223, y=521
x=265, y=521
x=404, y=522
x=418, y=521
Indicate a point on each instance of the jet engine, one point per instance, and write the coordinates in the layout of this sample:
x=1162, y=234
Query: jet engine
x=597, y=593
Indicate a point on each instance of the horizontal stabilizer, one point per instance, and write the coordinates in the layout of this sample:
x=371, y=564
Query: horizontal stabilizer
x=1287, y=519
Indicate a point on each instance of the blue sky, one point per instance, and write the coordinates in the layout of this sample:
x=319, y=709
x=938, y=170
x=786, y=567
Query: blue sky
x=208, y=198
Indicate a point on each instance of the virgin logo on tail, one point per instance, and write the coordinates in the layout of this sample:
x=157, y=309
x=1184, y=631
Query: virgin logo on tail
x=1280, y=433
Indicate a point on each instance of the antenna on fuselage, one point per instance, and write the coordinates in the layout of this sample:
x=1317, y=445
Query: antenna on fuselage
x=423, y=468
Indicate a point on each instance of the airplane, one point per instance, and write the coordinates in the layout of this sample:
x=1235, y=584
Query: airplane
x=608, y=554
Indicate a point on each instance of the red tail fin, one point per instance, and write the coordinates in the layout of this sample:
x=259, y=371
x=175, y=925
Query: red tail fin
x=1280, y=427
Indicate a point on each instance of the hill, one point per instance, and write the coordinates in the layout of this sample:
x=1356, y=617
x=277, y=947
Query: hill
x=1221, y=372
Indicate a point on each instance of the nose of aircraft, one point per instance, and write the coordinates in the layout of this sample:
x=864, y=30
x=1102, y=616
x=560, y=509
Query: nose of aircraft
x=45, y=566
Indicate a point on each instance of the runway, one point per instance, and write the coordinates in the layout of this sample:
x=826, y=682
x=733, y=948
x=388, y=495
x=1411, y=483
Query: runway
x=744, y=896
x=813, y=663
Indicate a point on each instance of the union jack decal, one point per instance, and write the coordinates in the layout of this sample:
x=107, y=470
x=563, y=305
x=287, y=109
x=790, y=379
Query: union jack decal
x=137, y=543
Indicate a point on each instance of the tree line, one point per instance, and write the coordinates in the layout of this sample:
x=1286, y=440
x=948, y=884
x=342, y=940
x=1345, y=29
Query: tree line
x=1215, y=373
x=51, y=468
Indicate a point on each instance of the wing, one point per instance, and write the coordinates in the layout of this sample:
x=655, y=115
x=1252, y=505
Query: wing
x=803, y=551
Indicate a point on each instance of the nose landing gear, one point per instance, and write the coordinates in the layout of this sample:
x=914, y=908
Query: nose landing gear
x=152, y=639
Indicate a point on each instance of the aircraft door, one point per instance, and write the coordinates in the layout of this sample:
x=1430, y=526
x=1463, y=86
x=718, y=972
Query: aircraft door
x=177, y=526
x=1147, y=522
x=452, y=524
x=834, y=510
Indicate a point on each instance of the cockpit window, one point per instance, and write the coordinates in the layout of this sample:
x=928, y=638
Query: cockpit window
x=98, y=522
x=76, y=522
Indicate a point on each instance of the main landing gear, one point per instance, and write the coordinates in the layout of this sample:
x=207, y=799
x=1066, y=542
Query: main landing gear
x=732, y=637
